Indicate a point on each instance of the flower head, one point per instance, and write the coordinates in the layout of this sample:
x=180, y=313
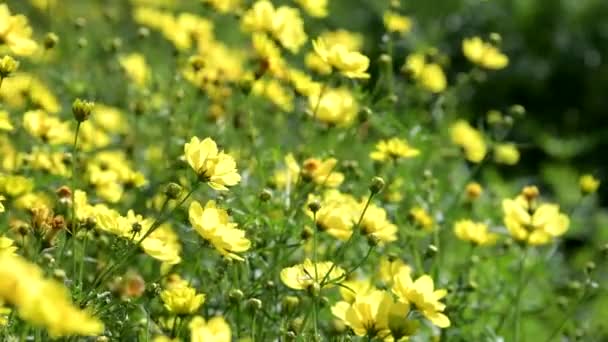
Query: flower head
x=588, y=184
x=484, y=54
x=181, y=299
x=308, y=274
x=470, y=139
x=393, y=148
x=351, y=64
x=216, y=330
x=422, y=294
x=213, y=167
x=474, y=232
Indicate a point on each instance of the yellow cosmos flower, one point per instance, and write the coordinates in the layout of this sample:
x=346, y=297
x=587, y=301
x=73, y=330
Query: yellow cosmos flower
x=354, y=288
x=136, y=68
x=48, y=128
x=315, y=8
x=213, y=167
x=213, y=224
x=163, y=245
x=15, y=185
x=22, y=89
x=506, y=153
x=181, y=299
x=484, y=54
x=532, y=223
x=430, y=76
x=16, y=33
x=225, y=6
x=351, y=64
x=335, y=107
x=43, y=302
x=337, y=215
x=5, y=121
x=397, y=23
x=213, y=330
x=474, y=232
x=422, y=218
x=376, y=224
x=389, y=268
x=322, y=172
x=470, y=139
x=7, y=246
x=275, y=92
x=369, y=314
x=588, y=184
x=422, y=294
x=307, y=274
x=283, y=23
x=394, y=148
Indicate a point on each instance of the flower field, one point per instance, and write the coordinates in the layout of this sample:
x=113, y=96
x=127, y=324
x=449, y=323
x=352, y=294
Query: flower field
x=298, y=170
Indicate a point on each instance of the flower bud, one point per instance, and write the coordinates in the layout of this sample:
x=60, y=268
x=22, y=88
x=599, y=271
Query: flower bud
x=307, y=233
x=314, y=206
x=82, y=109
x=517, y=110
x=235, y=295
x=173, y=190
x=50, y=40
x=254, y=304
x=143, y=32
x=530, y=192
x=473, y=191
x=376, y=185
x=8, y=65
x=290, y=303
x=265, y=195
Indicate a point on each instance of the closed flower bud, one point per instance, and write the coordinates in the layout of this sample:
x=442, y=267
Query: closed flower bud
x=8, y=65
x=50, y=40
x=265, y=195
x=473, y=190
x=376, y=185
x=254, y=304
x=530, y=192
x=589, y=267
x=290, y=303
x=143, y=32
x=517, y=110
x=314, y=206
x=588, y=184
x=173, y=190
x=235, y=295
x=82, y=109
x=306, y=233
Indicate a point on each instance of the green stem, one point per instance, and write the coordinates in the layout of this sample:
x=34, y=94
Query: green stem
x=73, y=176
x=567, y=316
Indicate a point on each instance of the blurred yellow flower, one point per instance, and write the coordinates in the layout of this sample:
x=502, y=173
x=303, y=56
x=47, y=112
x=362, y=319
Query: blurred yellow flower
x=7, y=246
x=43, y=302
x=389, y=267
x=181, y=299
x=47, y=128
x=484, y=54
x=22, y=89
x=136, y=68
x=213, y=224
x=376, y=224
x=308, y=274
x=315, y=8
x=322, y=172
x=506, y=153
x=225, y=6
x=5, y=121
x=474, y=232
x=429, y=76
x=351, y=64
x=16, y=33
x=393, y=149
x=422, y=294
x=589, y=184
x=473, y=190
x=532, y=223
x=368, y=315
x=394, y=22
x=422, y=218
x=334, y=107
x=163, y=245
x=470, y=139
x=214, y=330
x=212, y=166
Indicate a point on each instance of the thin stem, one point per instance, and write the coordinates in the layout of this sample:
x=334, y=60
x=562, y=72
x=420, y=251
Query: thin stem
x=520, y=290
x=74, y=160
x=253, y=324
x=567, y=316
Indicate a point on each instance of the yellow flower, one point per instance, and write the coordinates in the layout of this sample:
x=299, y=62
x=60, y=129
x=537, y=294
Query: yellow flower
x=48, y=128
x=15, y=185
x=136, y=68
x=16, y=33
x=163, y=244
x=181, y=299
x=8, y=65
x=322, y=172
x=283, y=23
x=213, y=224
x=315, y=8
x=335, y=107
x=224, y=6
x=351, y=64
x=588, y=184
x=7, y=246
x=369, y=314
x=213, y=167
x=429, y=76
x=474, y=232
x=484, y=54
x=506, y=153
x=22, y=89
x=5, y=121
x=4, y=314
x=42, y=302
x=307, y=274
x=397, y=23
x=423, y=296
x=422, y=218
x=303, y=83
x=352, y=288
x=394, y=148
x=275, y=92
x=532, y=223
x=389, y=268
x=470, y=139
x=214, y=330
x=376, y=224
